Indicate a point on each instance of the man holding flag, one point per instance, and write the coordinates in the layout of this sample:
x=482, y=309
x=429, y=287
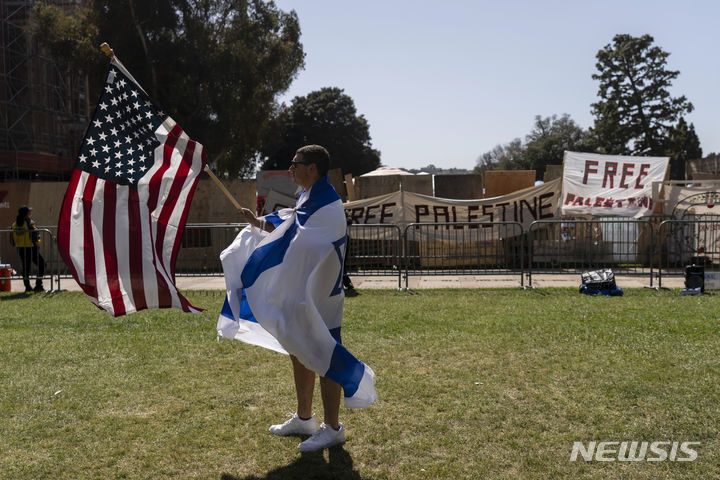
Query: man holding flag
x=284, y=292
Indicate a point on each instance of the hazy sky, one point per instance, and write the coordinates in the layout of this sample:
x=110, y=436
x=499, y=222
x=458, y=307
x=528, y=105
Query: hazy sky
x=443, y=82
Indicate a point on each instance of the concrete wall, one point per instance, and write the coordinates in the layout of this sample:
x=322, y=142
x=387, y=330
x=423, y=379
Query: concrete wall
x=502, y=182
x=459, y=186
x=368, y=187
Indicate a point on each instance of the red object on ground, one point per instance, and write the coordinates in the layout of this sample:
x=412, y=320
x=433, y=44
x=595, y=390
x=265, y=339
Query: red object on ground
x=5, y=274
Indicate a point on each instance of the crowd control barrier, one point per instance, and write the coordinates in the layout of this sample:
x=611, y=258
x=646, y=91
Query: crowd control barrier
x=11, y=265
x=374, y=250
x=688, y=242
x=464, y=248
x=563, y=246
x=200, y=248
x=556, y=246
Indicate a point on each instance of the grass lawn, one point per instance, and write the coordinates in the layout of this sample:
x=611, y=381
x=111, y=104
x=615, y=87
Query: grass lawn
x=472, y=384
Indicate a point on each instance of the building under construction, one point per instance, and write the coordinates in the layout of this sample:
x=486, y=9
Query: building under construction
x=43, y=112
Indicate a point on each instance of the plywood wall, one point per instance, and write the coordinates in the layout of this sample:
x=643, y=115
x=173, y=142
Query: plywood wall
x=368, y=187
x=336, y=180
x=459, y=187
x=209, y=204
x=552, y=172
x=502, y=182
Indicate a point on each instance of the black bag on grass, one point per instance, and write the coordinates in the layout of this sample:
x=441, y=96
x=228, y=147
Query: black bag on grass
x=599, y=282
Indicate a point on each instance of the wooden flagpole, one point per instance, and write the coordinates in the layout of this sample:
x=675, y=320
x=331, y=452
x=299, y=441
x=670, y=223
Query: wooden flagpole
x=107, y=50
x=222, y=187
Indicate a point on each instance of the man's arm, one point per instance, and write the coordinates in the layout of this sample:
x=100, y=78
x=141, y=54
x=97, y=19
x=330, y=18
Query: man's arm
x=250, y=218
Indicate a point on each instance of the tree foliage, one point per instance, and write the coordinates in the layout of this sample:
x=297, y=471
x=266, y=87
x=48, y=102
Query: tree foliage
x=550, y=138
x=216, y=65
x=71, y=40
x=543, y=146
x=682, y=145
x=503, y=157
x=325, y=117
x=635, y=114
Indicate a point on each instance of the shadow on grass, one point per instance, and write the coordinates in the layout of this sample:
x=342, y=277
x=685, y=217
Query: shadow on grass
x=351, y=292
x=312, y=465
x=15, y=296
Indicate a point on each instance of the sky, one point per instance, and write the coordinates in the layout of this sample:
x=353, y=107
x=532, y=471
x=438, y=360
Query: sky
x=444, y=82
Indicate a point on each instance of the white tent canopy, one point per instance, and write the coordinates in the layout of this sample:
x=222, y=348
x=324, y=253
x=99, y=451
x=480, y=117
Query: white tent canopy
x=383, y=171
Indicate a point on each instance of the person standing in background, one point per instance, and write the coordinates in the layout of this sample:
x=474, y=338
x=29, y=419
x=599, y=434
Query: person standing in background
x=26, y=239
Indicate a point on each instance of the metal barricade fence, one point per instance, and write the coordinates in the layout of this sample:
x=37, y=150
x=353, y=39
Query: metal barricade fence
x=557, y=246
x=563, y=246
x=374, y=250
x=687, y=242
x=59, y=266
x=200, y=248
x=464, y=248
x=12, y=266
x=199, y=254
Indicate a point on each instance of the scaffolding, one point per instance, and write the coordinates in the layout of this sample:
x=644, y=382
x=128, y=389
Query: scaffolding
x=42, y=105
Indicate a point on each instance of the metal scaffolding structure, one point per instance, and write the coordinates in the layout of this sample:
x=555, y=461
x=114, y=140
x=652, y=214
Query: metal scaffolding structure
x=42, y=106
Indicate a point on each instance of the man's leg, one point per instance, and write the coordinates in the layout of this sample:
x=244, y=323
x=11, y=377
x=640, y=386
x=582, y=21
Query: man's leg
x=331, y=432
x=304, y=386
x=303, y=422
x=331, y=392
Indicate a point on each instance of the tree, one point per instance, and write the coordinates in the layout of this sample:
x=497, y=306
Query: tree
x=549, y=140
x=72, y=40
x=502, y=157
x=543, y=146
x=636, y=113
x=682, y=145
x=325, y=117
x=216, y=65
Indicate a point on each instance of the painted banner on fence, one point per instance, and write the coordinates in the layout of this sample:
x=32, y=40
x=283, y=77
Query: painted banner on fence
x=597, y=184
x=403, y=208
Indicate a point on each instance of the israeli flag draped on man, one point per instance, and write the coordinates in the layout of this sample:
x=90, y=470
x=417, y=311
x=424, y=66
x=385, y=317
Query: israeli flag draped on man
x=284, y=290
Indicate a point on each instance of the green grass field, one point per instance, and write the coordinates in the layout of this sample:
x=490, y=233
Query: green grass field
x=471, y=383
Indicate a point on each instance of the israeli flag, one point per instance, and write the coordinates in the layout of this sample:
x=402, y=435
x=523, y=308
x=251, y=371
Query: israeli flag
x=285, y=292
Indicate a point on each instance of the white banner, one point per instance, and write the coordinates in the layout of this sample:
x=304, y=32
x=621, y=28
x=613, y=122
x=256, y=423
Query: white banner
x=597, y=184
x=402, y=208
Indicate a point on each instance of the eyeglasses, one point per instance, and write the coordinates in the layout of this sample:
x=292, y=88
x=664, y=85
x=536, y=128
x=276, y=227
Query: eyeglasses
x=295, y=163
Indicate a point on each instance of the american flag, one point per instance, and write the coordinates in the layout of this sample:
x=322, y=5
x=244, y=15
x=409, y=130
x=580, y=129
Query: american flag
x=124, y=211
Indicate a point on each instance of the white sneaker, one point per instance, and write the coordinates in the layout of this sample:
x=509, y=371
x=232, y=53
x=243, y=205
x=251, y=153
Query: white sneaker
x=325, y=437
x=296, y=426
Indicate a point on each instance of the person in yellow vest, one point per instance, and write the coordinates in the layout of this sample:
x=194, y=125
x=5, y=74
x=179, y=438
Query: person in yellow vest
x=26, y=239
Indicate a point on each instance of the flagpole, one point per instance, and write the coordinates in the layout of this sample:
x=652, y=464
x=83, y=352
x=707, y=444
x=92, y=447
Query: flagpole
x=221, y=187
x=107, y=50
